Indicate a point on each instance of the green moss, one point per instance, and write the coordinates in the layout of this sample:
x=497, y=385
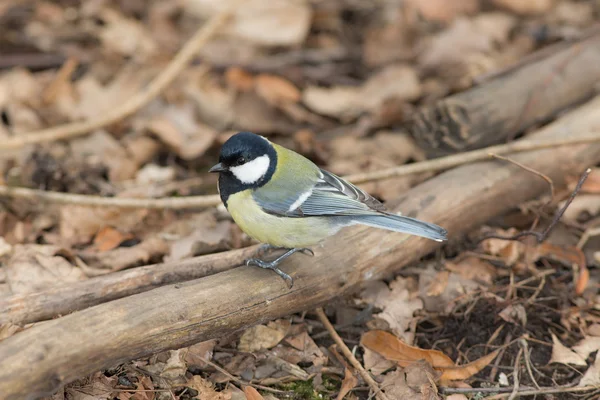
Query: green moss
x=304, y=390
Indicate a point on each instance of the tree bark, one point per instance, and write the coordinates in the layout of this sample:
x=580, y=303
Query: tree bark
x=37, y=361
x=505, y=105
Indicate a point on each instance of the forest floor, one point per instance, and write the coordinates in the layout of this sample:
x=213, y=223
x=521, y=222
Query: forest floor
x=337, y=81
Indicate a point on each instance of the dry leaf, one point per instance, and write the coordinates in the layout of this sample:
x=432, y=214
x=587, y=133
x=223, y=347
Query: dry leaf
x=510, y=251
x=438, y=284
x=397, y=81
x=563, y=355
x=375, y=362
x=105, y=149
x=443, y=10
x=397, y=302
x=210, y=237
x=307, y=350
x=261, y=337
x=261, y=22
x=456, y=287
x=350, y=381
x=415, y=382
x=124, y=257
x=34, y=268
x=584, y=205
x=98, y=387
x=276, y=90
x=152, y=174
x=515, y=314
x=587, y=346
x=125, y=36
x=252, y=394
x=466, y=371
x=239, y=79
x=528, y=7
x=175, y=368
x=345, y=102
x=205, y=389
x=145, y=390
x=178, y=128
x=339, y=101
x=473, y=268
x=109, y=238
x=78, y=224
x=461, y=52
x=197, y=353
x=592, y=375
x=396, y=350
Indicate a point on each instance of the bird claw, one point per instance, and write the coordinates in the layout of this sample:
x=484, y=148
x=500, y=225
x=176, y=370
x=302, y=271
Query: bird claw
x=307, y=251
x=273, y=264
x=273, y=267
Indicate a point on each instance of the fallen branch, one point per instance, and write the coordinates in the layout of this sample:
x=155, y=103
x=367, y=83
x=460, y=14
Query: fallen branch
x=173, y=69
x=179, y=203
x=496, y=110
x=38, y=360
x=22, y=309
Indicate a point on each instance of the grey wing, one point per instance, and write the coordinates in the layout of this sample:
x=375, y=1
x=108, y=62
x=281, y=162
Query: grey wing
x=331, y=182
x=328, y=196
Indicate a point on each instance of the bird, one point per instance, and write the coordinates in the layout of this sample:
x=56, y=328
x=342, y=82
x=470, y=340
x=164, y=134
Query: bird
x=284, y=200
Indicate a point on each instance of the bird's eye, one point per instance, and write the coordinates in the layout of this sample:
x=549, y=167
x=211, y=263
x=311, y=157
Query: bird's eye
x=240, y=161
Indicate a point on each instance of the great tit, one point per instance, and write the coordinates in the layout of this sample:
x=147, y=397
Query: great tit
x=284, y=200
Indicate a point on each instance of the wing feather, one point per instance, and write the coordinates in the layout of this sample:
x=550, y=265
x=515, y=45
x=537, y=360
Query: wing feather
x=329, y=196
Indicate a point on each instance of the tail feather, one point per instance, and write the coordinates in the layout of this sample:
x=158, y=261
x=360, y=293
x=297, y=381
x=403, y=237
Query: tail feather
x=403, y=224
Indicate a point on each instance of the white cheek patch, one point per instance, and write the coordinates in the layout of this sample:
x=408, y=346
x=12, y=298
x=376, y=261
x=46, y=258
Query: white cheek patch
x=253, y=170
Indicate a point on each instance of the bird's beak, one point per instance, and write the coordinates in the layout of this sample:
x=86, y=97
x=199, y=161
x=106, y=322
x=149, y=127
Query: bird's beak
x=218, y=168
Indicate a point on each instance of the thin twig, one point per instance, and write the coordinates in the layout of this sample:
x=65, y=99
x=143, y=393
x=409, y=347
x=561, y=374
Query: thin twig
x=173, y=203
x=525, y=346
x=534, y=392
x=516, y=370
x=527, y=391
x=348, y=354
x=443, y=163
x=189, y=202
x=238, y=380
x=498, y=360
x=131, y=106
x=541, y=236
x=526, y=168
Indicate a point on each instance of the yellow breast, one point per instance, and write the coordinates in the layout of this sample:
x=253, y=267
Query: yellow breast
x=277, y=231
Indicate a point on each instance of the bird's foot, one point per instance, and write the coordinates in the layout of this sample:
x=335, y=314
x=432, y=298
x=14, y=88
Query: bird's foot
x=272, y=265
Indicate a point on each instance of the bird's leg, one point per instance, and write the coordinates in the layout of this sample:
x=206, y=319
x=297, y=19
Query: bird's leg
x=272, y=265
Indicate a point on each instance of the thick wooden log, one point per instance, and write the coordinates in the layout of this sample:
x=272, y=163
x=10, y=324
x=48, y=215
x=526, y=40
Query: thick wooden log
x=64, y=299
x=38, y=360
x=505, y=105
